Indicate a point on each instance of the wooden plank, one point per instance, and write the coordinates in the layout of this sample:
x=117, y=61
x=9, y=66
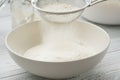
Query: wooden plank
x=114, y=45
x=5, y=12
x=113, y=31
x=24, y=76
x=7, y=64
x=5, y=25
x=104, y=70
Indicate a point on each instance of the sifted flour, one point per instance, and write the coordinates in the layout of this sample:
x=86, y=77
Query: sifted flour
x=60, y=7
x=59, y=42
x=59, y=52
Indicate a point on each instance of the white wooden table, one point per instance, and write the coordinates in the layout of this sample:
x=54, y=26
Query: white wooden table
x=108, y=69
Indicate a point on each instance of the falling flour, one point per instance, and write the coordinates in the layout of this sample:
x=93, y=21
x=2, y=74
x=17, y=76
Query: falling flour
x=59, y=42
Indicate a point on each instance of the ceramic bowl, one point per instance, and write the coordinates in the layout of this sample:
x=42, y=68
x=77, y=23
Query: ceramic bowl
x=26, y=36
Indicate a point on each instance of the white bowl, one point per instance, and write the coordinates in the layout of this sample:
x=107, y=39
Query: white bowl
x=27, y=36
x=104, y=13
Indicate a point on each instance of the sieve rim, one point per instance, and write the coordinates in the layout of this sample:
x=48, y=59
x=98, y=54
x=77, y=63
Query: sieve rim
x=59, y=13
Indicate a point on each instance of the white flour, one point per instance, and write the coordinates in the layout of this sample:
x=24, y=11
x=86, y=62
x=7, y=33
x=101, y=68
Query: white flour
x=59, y=52
x=59, y=42
x=60, y=7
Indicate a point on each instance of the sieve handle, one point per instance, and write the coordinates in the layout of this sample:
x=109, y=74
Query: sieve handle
x=93, y=2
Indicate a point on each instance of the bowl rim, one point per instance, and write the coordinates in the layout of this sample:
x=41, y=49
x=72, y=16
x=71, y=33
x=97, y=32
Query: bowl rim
x=75, y=60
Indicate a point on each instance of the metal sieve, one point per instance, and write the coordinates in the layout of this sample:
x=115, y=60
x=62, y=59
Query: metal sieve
x=63, y=16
